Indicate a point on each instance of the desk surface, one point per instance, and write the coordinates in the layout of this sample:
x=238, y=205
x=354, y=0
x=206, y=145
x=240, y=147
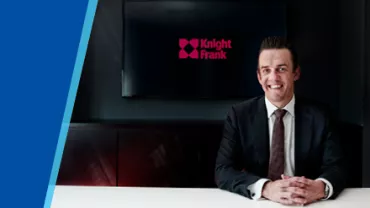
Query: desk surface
x=127, y=197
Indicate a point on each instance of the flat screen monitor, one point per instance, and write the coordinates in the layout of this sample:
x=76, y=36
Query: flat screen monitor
x=196, y=49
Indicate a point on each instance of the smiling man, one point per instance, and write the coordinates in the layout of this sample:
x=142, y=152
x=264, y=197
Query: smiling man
x=278, y=146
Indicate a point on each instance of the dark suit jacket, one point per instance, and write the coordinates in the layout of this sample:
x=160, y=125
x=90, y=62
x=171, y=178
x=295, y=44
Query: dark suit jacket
x=243, y=156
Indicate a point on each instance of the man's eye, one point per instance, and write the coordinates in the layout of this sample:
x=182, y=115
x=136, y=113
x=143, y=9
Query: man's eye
x=265, y=71
x=282, y=69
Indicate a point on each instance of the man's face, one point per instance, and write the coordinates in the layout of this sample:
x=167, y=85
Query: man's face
x=276, y=76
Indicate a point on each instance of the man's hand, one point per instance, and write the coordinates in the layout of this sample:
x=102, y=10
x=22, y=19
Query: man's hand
x=285, y=191
x=313, y=190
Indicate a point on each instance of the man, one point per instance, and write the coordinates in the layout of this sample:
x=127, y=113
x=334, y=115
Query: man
x=277, y=146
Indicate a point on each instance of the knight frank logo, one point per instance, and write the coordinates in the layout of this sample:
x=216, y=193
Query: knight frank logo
x=203, y=48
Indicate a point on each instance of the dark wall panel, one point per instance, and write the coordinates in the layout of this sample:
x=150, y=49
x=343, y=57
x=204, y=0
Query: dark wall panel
x=351, y=60
x=313, y=28
x=366, y=142
x=89, y=157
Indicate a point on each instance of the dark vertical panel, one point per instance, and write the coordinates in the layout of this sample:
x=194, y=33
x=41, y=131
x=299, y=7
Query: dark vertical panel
x=352, y=85
x=89, y=157
x=313, y=29
x=366, y=138
x=351, y=60
x=151, y=156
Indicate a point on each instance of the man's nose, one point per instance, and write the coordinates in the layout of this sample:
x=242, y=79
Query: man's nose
x=274, y=75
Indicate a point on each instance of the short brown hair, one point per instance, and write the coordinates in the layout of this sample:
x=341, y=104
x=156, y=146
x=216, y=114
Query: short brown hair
x=277, y=42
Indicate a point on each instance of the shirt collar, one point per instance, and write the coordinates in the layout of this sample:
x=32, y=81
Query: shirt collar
x=271, y=108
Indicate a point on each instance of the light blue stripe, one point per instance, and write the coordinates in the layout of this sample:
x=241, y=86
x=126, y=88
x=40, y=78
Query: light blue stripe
x=86, y=30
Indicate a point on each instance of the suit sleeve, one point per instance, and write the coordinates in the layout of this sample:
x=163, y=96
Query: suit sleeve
x=334, y=163
x=228, y=173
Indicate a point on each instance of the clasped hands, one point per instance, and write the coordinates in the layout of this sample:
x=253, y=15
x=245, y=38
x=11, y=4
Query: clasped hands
x=294, y=190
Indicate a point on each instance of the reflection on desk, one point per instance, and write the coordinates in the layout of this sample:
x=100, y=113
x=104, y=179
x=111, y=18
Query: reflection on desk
x=127, y=197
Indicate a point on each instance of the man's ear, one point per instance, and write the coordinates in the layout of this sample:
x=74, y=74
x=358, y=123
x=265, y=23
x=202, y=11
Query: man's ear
x=259, y=76
x=297, y=73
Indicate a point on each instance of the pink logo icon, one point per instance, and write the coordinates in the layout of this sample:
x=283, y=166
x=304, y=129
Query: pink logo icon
x=194, y=54
x=204, y=48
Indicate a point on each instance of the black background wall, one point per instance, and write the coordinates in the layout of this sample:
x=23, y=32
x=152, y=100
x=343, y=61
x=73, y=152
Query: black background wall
x=329, y=36
x=352, y=60
x=366, y=142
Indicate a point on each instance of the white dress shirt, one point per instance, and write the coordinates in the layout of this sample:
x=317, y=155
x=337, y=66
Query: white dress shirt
x=289, y=131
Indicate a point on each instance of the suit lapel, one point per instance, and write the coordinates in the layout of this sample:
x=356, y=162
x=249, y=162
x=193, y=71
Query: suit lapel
x=303, y=136
x=261, y=135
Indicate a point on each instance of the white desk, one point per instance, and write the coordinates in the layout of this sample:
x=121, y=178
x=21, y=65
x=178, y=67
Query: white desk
x=128, y=197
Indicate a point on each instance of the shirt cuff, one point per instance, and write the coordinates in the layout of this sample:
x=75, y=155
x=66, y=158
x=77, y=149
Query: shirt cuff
x=256, y=188
x=328, y=184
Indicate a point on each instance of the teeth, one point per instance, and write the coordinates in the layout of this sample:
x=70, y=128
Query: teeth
x=275, y=86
